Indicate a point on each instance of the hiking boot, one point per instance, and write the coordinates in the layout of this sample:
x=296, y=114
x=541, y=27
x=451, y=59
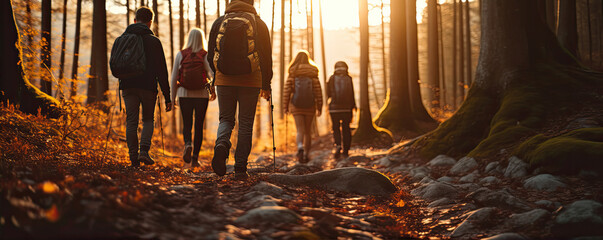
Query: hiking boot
x=218, y=162
x=134, y=161
x=144, y=157
x=241, y=175
x=300, y=155
x=195, y=162
x=345, y=154
x=337, y=152
x=306, y=159
x=188, y=149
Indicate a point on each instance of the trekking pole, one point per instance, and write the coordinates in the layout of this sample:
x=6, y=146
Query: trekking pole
x=286, y=131
x=161, y=127
x=272, y=128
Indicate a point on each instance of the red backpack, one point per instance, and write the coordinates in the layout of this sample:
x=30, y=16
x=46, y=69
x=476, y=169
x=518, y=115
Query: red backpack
x=192, y=74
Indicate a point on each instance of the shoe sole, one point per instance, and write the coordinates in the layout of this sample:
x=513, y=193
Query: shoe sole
x=187, y=155
x=218, y=162
x=146, y=161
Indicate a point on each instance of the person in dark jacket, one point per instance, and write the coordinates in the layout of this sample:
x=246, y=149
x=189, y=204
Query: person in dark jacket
x=142, y=90
x=241, y=89
x=340, y=97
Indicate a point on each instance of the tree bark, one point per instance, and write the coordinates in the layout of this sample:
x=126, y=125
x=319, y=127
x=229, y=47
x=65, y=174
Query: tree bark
x=15, y=88
x=197, y=13
x=455, y=61
x=551, y=14
x=204, y=18
x=433, y=72
x=290, y=30
x=181, y=24
x=62, y=58
x=416, y=102
x=442, y=87
x=156, y=18
x=98, y=83
x=396, y=114
x=567, y=30
x=366, y=131
x=46, y=80
x=462, y=80
x=282, y=55
x=128, y=12
x=468, y=64
x=383, y=52
x=76, y=50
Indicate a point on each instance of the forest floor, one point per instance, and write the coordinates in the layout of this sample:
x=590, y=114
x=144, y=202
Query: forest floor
x=65, y=179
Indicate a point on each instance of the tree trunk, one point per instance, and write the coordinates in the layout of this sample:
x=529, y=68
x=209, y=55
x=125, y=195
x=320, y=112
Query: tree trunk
x=454, y=57
x=15, y=88
x=311, y=29
x=468, y=43
x=567, y=30
x=442, y=86
x=181, y=24
x=462, y=80
x=198, y=13
x=433, y=72
x=366, y=131
x=290, y=30
x=523, y=75
x=551, y=14
x=383, y=53
x=76, y=50
x=324, y=56
x=156, y=19
x=46, y=80
x=282, y=55
x=217, y=8
x=416, y=102
x=204, y=18
x=62, y=58
x=128, y=12
x=396, y=114
x=98, y=82
x=173, y=127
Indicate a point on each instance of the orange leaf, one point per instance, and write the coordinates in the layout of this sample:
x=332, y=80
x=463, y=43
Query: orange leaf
x=400, y=203
x=49, y=187
x=52, y=214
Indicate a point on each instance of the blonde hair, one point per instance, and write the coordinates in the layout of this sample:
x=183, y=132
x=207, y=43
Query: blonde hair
x=196, y=40
x=303, y=57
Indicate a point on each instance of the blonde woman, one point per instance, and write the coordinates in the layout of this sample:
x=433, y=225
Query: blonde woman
x=191, y=90
x=303, y=91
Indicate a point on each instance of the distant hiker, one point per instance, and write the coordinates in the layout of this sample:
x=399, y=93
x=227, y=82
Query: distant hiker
x=241, y=56
x=190, y=83
x=340, y=98
x=303, y=91
x=137, y=60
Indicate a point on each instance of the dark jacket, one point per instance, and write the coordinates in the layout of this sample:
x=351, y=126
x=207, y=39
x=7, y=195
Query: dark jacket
x=264, y=49
x=340, y=105
x=156, y=69
x=302, y=70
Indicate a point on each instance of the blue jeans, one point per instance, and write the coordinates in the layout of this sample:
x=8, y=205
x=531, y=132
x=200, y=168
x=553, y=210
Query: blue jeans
x=133, y=99
x=247, y=98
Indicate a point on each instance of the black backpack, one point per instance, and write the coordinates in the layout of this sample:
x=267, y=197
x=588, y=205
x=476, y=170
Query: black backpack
x=235, y=52
x=343, y=92
x=303, y=97
x=127, y=56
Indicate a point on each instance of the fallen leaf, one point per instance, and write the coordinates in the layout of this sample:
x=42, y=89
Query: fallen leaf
x=49, y=187
x=52, y=214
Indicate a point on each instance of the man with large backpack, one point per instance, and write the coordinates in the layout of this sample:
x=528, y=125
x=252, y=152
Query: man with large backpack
x=240, y=54
x=340, y=96
x=137, y=59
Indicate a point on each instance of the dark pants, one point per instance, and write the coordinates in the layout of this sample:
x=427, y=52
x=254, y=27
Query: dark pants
x=303, y=124
x=228, y=98
x=133, y=99
x=341, y=126
x=199, y=107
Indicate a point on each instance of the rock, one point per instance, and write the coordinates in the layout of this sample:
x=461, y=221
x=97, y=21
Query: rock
x=489, y=180
x=352, y=160
x=441, y=161
x=352, y=180
x=469, y=178
x=516, y=168
x=268, y=189
x=384, y=162
x=533, y=218
x=435, y=190
x=425, y=180
x=507, y=236
x=581, y=218
x=182, y=187
x=493, y=168
x=548, y=204
x=419, y=172
x=487, y=197
x=441, y=202
x=263, y=200
x=469, y=227
x=446, y=179
x=273, y=214
x=468, y=187
x=463, y=166
x=543, y=182
x=583, y=123
x=589, y=175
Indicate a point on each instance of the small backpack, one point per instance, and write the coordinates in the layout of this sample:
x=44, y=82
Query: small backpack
x=303, y=96
x=127, y=56
x=235, y=52
x=343, y=92
x=192, y=74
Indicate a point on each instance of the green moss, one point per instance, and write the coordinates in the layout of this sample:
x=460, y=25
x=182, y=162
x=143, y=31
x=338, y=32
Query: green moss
x=395, y=117
x=568, y=153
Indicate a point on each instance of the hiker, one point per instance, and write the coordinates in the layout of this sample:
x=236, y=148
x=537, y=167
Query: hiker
x=341, y=102
x=190, y=83
x=241, y=57
x=303, y=91
x=138, y=79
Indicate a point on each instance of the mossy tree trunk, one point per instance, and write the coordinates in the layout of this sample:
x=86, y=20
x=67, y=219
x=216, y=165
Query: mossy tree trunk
x=15, y=88
x=524, y=77
x=46, y=80
x=98, y=82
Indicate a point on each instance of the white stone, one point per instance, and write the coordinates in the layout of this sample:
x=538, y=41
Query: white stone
x=543, y=182
x=271, y=214
x=442, y=161
x=435, y=190
x=516, y=168
x=268, y=189
x=581, y=218
x=463, y=166
x=507, y=236
x=469, y=178
x=489, y=180
x=529, y=218
x=446, y=179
